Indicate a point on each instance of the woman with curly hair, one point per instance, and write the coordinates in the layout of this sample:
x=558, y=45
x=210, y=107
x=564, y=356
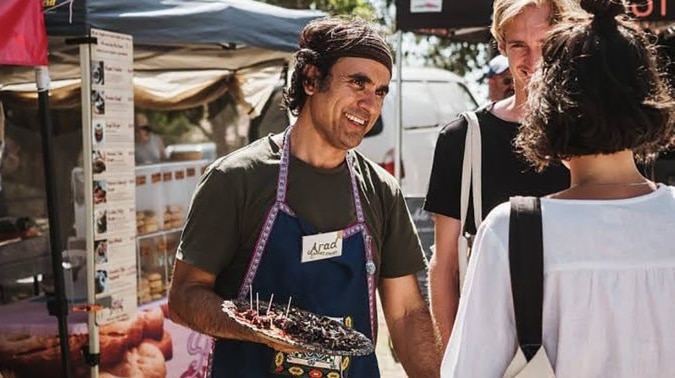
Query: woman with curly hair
x=597, y=103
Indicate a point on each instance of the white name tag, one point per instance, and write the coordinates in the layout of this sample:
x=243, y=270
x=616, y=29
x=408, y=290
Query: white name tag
x=321, y=246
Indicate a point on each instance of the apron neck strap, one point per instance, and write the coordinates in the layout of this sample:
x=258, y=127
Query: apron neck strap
x=282, y=181
x=351, y=160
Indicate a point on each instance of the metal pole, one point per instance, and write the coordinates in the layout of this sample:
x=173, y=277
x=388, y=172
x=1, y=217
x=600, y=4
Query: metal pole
x=92, y=326
x=399, y=107
x=59, y=306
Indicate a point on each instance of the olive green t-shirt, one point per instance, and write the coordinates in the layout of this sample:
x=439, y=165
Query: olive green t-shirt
x=234, y=195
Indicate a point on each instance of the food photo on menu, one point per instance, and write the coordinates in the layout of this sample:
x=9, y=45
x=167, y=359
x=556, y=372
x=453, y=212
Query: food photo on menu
x=100, y=191
x=98, y=73
x=98, y=162
x=101, y=251
x=101, y=219
x=99, y=129
x=98, y=101
x=101, y=281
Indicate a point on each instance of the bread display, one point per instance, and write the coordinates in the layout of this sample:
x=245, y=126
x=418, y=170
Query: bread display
x=144, y=291
x=152, y=286
x=137, y=347
x=37, y=355
x=164, y=344
x=173, y=216
x=146, y=222
x=153, y=323
x=145, y=361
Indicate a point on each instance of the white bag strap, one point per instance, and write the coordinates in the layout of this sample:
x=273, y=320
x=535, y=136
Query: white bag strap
x=471, y=178
x=476, y=176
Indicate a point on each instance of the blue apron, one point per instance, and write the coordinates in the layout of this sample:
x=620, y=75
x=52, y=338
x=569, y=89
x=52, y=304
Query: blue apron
x=341, y=287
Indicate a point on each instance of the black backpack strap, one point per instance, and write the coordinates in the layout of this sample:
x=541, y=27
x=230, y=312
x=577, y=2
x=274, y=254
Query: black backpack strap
x=526, y=262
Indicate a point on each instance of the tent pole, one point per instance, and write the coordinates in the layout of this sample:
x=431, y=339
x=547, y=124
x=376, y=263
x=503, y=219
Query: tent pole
x=93, y=351
x=399, y=107
x=58, y=306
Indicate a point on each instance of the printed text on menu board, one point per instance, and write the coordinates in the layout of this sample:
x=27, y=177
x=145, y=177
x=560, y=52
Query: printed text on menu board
x=113, y=186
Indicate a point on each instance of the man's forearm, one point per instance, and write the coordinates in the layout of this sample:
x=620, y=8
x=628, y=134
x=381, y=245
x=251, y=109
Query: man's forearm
x=444, y=275
x=444, y=298
x=200, y=309
x=416, y=344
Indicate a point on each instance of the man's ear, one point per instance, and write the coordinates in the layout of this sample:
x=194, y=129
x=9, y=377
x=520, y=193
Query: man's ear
x=500, y=47
x=311, y=79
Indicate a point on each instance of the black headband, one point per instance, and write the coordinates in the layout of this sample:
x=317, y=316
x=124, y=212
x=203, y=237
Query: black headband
x=369, y=48
x=364, y=46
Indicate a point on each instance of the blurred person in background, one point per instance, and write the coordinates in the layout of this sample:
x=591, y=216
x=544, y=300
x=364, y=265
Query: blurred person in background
x=149, y=147
x=499, y=79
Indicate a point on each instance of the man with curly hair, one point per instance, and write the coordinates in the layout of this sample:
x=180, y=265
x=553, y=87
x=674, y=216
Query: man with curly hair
x=259, y=214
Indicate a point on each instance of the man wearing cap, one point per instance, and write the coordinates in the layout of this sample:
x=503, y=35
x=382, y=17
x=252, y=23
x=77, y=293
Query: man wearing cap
x=303, y=217
x=499, y=79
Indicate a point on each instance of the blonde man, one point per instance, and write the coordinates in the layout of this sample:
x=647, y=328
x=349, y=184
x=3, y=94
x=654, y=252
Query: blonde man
x=519, y=27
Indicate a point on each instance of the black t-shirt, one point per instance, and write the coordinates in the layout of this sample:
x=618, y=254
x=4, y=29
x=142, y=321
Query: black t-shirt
x=504, y=172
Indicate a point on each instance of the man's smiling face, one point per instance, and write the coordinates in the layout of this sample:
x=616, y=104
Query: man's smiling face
x=345, y=107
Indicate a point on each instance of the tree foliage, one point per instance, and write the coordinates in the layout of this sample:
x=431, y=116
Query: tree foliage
x=457, y=56
x=173, y=125
x=360, y=8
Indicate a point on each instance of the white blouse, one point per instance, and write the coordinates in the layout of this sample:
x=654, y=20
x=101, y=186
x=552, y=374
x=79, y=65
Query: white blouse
x=609, y=291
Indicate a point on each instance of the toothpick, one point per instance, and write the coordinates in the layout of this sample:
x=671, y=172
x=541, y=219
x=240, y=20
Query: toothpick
x=250, y=297
x=288, y=307
x=257, y=304
x=269, y=305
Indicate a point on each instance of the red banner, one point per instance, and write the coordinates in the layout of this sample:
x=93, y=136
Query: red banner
x=23, y=40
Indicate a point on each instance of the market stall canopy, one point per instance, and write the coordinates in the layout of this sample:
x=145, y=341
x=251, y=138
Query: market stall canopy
x=242, y=44
x=183, y=21
x=165, y=77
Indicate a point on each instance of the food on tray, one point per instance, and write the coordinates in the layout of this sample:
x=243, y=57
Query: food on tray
x=298, y=328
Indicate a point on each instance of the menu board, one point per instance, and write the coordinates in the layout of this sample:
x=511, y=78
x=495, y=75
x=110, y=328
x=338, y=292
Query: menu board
x=114, y=182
